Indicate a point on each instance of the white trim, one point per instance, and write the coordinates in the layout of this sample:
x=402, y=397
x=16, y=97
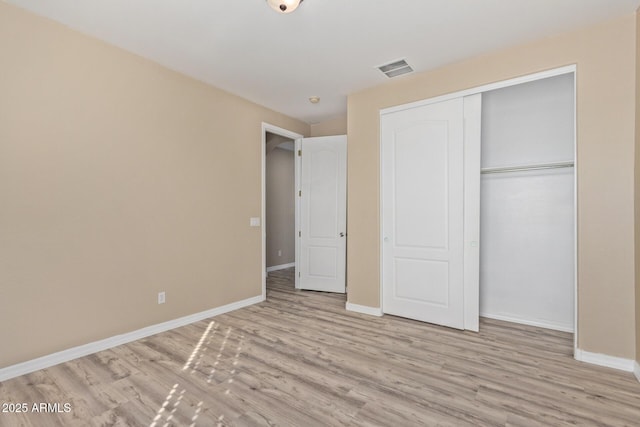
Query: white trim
x=471, y=209
x=266, y=127
x=105, y=344
x=575, y=210
x=381, y=230
x=605, y=360
x=364, y=309
x=537, y=323
x=636, y=370
x=485, y=88
x=297, y=171
x=280, y=267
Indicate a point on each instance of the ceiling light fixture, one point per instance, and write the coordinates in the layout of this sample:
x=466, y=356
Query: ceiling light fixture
x=284, y=6
x=314, y=99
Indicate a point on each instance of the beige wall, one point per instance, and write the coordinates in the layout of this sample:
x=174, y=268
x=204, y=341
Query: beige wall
x=280, y=207
x=337, y=126
x=605, y=58
x=118, y=179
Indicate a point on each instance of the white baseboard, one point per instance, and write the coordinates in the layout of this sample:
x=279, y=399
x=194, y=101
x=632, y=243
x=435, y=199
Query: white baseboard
x=94, y=347
x=537, y=323
x=364, y=309
x=636, y=370
x=280, y=267
x=605, y=360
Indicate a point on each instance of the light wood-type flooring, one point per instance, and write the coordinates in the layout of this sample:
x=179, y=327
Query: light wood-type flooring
x=300, y=359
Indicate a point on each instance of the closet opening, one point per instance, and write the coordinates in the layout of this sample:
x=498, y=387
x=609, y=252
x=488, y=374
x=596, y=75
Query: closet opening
x=527, y=204
x=524, y=268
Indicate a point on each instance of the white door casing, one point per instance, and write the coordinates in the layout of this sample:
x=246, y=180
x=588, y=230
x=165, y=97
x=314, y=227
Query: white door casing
x=472, y=165
x=430, y=247
x=323, y=207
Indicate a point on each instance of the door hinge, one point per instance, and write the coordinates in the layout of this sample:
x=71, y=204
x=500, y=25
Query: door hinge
x=299, y=233
x=299, y=153
x=299, y=275
x=299, y=193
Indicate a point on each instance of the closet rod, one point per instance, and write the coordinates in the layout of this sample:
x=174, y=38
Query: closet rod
x=528, y=168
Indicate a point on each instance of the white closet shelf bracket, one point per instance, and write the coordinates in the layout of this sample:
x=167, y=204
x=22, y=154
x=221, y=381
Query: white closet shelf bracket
x=540, y=166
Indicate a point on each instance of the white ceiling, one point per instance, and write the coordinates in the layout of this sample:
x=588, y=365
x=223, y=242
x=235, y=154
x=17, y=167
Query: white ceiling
x=327, y=48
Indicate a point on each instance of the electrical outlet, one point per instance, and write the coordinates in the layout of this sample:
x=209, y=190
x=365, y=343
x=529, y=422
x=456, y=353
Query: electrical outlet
x=161, y=297
x=279, y=252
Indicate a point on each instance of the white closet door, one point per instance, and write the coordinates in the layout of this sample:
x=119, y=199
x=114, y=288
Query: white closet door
x=423, y=163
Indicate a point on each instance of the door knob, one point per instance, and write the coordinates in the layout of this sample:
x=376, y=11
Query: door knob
x=341, y=234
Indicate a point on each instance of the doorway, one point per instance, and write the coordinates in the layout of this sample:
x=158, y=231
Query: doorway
x=320, y=201
x=277, y=136
x=280, y=202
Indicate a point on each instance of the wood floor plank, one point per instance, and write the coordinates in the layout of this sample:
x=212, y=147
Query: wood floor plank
x=301, y=359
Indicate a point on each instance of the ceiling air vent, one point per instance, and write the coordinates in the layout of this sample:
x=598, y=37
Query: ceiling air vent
x=396, y=68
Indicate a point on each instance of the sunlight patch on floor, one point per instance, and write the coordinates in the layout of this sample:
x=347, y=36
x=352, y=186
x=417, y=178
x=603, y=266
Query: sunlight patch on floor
x=196, y=350
x=203, y=349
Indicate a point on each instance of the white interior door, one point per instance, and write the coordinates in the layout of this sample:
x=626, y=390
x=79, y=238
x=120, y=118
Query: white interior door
x=429, y=240
x=323, y=214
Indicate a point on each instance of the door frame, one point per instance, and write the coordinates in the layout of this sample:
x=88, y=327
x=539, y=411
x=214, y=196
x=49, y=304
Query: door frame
x=267, y=127
x=569, y=69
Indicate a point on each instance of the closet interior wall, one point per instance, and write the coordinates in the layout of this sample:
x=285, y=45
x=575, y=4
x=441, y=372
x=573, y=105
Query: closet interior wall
x=527, y=214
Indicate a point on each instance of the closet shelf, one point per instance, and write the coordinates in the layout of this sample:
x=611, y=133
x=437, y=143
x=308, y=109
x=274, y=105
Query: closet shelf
x=540, y=166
